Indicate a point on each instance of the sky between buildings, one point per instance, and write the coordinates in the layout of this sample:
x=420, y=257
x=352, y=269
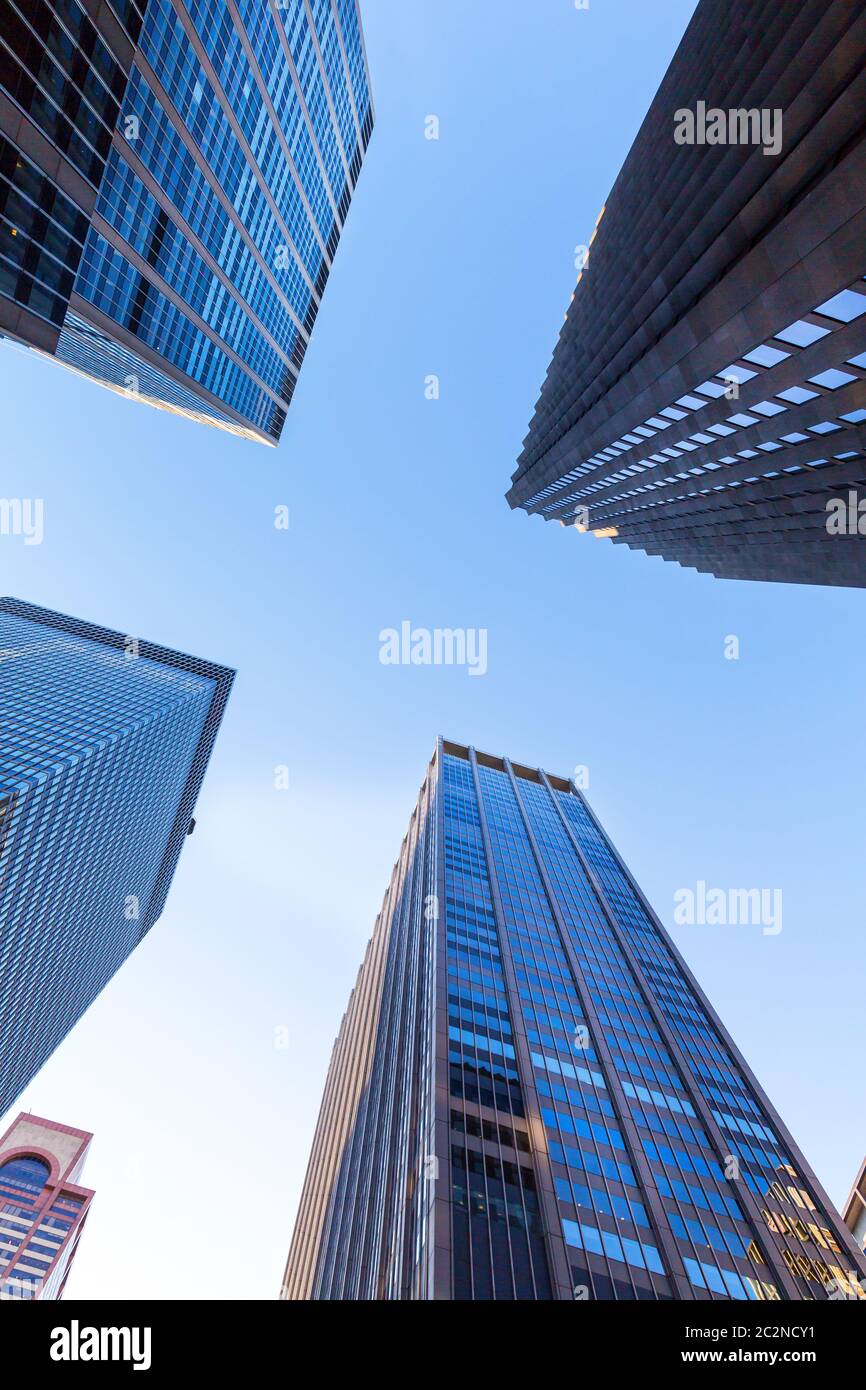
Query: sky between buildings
x=201, y=1067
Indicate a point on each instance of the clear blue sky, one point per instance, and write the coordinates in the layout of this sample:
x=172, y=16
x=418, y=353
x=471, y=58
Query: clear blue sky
x=458, y=260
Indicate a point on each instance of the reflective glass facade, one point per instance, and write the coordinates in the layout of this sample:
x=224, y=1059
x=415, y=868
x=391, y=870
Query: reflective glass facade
x=104, y=742
x=43, y=1207
x=531, y=1098
x=706, y=398
x=174, y=179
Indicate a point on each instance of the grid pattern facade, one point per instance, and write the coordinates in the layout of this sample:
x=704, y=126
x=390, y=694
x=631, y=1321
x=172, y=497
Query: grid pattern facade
x=706, y=399
x=174, y=180
x=531, y=1098
x=43, y=1207
x=103, y=748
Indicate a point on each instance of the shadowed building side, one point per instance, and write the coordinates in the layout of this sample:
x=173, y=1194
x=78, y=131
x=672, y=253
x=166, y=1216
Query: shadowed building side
x=333, y=1211
x=345, y=1088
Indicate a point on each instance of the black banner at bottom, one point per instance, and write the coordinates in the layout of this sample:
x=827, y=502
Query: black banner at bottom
x=163, y=1339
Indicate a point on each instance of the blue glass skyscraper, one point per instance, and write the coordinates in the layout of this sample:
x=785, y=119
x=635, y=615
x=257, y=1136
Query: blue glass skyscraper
x=530, y=1097
x=174, y=180
x=104, y=742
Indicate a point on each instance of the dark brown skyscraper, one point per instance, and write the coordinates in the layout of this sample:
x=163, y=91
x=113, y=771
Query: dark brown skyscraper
x=531, y=1098
x=706, y=401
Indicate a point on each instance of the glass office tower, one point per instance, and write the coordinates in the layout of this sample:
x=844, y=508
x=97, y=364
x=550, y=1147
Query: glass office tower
x=706, y=399
x=42, y=1206
x=531, y=1098
x=104, y=742
x=174, y=180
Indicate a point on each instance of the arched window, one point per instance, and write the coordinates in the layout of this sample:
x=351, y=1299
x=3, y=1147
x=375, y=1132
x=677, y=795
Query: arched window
x=26, y=1173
